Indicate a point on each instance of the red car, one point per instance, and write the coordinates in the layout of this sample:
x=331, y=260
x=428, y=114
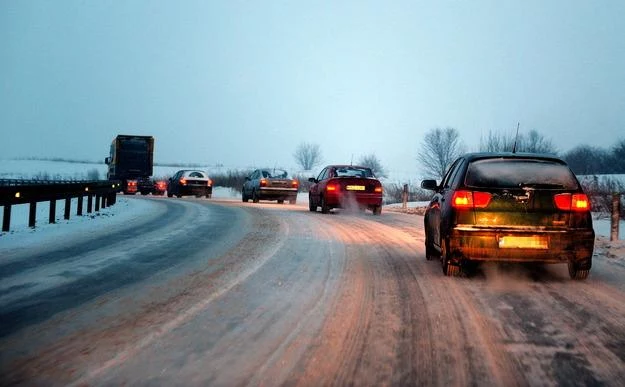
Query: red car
x=345, y=186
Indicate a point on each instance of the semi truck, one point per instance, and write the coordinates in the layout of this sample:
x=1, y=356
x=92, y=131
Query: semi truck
x=131, y=162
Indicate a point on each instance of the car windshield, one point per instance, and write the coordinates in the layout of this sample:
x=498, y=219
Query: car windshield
x=196, y=174
x=354, y=172
x=275, y=173
x=509, y=173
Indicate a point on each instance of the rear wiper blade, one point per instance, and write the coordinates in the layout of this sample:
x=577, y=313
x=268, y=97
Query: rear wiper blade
x=541, y=185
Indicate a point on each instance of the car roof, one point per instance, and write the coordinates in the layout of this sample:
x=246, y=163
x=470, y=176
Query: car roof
x=509, y=155
x=346, y=166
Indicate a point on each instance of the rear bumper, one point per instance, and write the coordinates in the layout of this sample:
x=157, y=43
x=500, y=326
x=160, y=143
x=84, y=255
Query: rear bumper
x=195, y=190
x=274, y=193
x=347, y=199
x=555, y=246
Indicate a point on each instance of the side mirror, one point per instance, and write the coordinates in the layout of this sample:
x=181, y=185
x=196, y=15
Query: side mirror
x=429, y=184
x=313, y=180
x=107, y=160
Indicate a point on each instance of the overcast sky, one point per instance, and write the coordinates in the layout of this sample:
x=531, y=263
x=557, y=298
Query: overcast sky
x=242, y=83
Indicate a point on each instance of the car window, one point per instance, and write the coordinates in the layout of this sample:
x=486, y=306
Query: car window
x=353, y=172
x=266, y=174
x=509, y=173
x=322, y=175
x=450, y=171
x=196, y=174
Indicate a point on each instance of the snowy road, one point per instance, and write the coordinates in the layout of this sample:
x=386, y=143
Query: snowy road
x=215, y=292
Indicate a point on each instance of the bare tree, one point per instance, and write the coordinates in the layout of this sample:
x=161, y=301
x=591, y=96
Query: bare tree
x=439, y=149
x=307, y=155
x=371, y=161
x=533, y=142
x=588, y=160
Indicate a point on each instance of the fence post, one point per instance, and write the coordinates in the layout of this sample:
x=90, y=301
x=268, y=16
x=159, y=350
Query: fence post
x=89, y=203
x=616, y=216
x=68, y=206
x=52, y=211
x=103, y=201
x=6, y=218
x=97, y=202
x=404, y=197
x=32, y=214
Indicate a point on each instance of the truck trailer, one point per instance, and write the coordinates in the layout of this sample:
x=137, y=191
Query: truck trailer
x=131, y=162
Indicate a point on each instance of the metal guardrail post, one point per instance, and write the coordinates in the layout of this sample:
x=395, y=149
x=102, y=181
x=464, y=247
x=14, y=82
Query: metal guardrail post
x=6, y=218
x=89, y=203
x=68, y=206
x=52, y=215
x=79, y=207
x=97, y=202
x=32, y=214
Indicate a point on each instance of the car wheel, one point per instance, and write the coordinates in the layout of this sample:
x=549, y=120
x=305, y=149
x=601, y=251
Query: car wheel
x=243, y=197
x=576, y=273
x=208, y=196
x=311, y=206
x=293, y=201
x=281, y=201
x=255, y=197
x=178, y=196
x=324, y=206
x=377, y=210
x=449, y=269
x=169, y=194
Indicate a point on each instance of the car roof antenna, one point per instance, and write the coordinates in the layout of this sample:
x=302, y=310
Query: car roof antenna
x=516, y=137
x=351, y=162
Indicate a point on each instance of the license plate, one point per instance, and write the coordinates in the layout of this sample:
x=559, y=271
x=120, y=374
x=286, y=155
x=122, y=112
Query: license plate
x=523, y=242
x=355, y=187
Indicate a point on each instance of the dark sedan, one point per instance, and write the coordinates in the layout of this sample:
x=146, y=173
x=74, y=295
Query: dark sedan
x=270, y=184
x=345, y=186
x=509, y=207
x=190, y=182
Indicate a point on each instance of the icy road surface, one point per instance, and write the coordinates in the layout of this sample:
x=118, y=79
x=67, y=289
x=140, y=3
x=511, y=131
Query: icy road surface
x=218, y=292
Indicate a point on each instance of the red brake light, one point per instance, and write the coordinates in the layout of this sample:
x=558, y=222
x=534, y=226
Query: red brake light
x=331, y=187
x=468, y=199
x=183, y=181
x=572, y=202
x=263, y=182
x=378, y=189
x=210, y=183
x=295, y=184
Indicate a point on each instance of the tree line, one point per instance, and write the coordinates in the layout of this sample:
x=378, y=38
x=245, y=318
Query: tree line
x=441, y=146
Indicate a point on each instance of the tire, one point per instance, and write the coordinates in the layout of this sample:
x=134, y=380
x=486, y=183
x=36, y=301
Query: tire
x=255, y=197
x=377, y=210
x=208, y=196
x=281, y=201
x=243, y=197
x=169, y=194
x=311, y=206
x=449, y=269
x=324, y=206
x=178, y=196
x=430, y=253
x=293, y=201
x=144, y=193
x=576, y=273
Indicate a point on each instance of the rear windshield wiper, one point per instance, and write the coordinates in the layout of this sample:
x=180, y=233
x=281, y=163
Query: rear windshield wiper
x=541, y=185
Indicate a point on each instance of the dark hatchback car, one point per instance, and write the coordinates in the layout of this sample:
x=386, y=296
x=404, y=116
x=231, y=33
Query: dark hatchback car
x=509, y=207
x=270, y=184
x=341, y=186
x=190, y=182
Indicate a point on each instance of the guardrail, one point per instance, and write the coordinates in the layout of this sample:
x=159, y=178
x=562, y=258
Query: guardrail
x=99, y=194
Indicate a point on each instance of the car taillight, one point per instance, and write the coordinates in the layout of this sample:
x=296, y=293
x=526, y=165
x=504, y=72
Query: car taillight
x=132, y=183
x=210, y=183
x=295, y=184
x=378, y=189
x=183, y=181
x=332, y=188
x=470, y=199
x=572, y=202
x=263, y=182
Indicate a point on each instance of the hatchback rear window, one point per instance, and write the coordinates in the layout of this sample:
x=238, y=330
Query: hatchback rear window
x=354, y=172
x=510, y=173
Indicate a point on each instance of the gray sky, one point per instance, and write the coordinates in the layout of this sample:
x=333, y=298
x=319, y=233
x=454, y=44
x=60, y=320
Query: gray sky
x=244, y=82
